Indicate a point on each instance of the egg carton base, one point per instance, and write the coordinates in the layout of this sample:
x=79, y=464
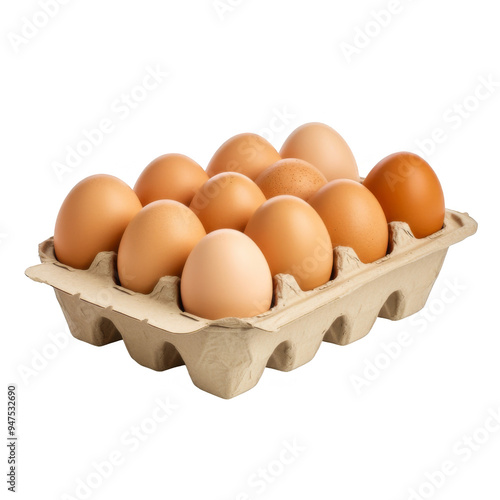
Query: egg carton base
x=293, y=346
x=227, y=357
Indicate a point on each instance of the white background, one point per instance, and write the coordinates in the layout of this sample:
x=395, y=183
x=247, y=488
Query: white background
x=231, y=73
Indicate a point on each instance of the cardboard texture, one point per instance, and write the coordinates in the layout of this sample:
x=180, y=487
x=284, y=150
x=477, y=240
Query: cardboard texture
x=227, y=357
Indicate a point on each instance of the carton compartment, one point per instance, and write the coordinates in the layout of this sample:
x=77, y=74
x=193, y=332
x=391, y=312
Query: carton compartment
x=227, y=357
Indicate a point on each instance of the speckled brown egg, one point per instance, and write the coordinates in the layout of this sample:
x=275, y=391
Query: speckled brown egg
x=291, y=176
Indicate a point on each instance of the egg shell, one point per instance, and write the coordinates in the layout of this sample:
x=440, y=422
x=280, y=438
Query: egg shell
x=291, y=176
x=248, y=154
x=353, y=217
x=92, y=219
x=324, y=148
x=157, y=243
x=227, y=200
x=293, y=239
x=409, y=191
x=170, y=177
x=226, y=275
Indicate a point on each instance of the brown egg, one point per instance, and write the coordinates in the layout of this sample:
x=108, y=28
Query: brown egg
x=409, y=191
x=324, y=148
x=92, y=219
x=226, y=275
x=293, y=239
x=353, y=217
x=227, y=200
x=157, y=243
x=170, y=177
x=248, y=154
x=290, y=176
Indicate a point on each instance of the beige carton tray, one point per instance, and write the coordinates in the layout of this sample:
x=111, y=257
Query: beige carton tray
x=227, y=357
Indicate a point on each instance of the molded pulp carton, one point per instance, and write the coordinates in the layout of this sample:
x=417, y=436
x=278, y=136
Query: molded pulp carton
x=227, y=357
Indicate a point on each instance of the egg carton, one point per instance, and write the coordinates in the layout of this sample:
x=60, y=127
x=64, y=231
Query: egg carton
x=227, y=357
